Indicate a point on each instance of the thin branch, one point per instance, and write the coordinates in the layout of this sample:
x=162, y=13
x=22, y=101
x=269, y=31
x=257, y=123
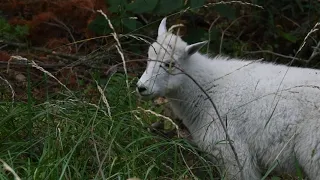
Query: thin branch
x=277, y=54
x=224, y=31
x=48, y=66
x=11, y=88
x=209, y=32
x=233, y=2
x=69, y=31
x=23, y=45
x=35, y=65
x=315, y=52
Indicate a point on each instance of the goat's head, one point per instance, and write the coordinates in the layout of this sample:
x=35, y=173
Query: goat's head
x=166, y=59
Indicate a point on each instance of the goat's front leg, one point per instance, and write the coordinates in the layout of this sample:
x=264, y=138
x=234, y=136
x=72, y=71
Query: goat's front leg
x=248, y=169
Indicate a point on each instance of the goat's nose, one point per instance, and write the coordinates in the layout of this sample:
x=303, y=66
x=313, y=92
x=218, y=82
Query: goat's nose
x=141, y=89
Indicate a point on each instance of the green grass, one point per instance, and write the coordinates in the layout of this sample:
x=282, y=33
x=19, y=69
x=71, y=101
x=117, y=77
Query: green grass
x=70, y=138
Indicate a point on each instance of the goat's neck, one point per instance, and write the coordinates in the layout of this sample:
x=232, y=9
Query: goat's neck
x=191, y=104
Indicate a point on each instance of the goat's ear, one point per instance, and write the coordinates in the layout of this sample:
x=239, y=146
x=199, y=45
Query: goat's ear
x=193, y=48
x=162, y=27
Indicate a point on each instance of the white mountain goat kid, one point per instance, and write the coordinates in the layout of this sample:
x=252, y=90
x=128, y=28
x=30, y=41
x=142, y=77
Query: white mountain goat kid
x=271, y=112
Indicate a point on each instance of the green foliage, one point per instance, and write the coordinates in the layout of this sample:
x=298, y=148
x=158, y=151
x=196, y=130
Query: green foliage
x=279, y=24
x=126, y=9
x=196, y=34
x=288, y=36
x=9, y=32
x=71, y=138
x=196, y=3
x=168, y=6
x=225, y=11
x=142, y=6
x=100, y=25
x=116, y=5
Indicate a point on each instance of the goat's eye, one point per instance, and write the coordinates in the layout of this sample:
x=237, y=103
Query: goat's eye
x=169, y=64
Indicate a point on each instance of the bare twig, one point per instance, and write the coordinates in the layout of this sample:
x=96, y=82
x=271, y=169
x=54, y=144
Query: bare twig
x=11, y=88
x=175, y=26
x=233, y=2
x=224, y=31
x=69, y=31
x=292, y=21
x=23, y=45
x=3, y=46
x=35, y=65
x=8, y=168
x=143, y=19
x=277, y=54
x=314, y=29
x=315, y=52
x=118, y=46
x=49, y=66
x=209, y=32
x=104, y=99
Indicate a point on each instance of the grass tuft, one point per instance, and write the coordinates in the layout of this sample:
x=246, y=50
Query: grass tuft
x=71, y=138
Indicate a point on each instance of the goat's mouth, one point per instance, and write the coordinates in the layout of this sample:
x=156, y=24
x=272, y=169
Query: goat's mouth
x=146, y=95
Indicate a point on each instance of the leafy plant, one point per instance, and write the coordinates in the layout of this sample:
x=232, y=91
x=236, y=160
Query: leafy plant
x=126, y=10
x=142, y=6
x=12, y=32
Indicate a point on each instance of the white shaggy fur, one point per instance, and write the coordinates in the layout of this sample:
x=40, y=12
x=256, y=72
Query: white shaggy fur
x=269, y=119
